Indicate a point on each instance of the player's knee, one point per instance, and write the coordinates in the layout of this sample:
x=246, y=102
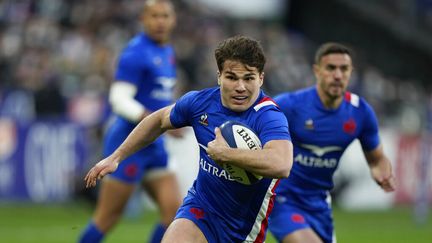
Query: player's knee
x=109, y=216
x=106, y=223
x=168, y=217
x=170, y=206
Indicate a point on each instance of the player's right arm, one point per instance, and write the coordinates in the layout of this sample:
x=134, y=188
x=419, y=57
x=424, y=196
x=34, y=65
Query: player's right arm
x=150, y=128
x=128, y=78
x=123, y=102
x=273, y=161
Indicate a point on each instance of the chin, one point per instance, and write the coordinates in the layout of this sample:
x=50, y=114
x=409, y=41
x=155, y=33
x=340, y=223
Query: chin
x=335, y=93
x=239, y=108
x=159, y=38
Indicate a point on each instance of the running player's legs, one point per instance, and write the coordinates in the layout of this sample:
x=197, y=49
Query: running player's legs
x=302, y=236
x=116, y=190
x=290, y=224
x=183, y=230
x=163, y=189
x=193, y=223
x=112, y=199
x=161, y=185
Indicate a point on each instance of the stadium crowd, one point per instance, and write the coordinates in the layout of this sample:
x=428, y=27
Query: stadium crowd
x=57, y=59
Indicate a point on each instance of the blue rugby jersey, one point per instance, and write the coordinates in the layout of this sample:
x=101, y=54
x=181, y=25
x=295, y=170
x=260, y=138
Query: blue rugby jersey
x=321, y=135
x=244, y=207
x=151, y=68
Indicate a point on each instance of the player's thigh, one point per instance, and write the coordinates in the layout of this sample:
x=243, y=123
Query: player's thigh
x=164, y=190
x=290, y=224
x=306, y=235
x=116, y=188
x=183, y=231
x=113, y=197
x=160, y=183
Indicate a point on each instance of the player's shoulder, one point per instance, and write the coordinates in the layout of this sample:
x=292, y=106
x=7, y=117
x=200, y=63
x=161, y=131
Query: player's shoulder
x=135, y=42
x=356, y=101
x=264, y=103
x=201, y=96
x=139, y=44
x=207, y=93
x=264, y=106
x=133, y=51
x=297, y=94
x=288, y=99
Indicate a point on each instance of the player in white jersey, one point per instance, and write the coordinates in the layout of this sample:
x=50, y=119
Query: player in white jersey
x=324, y=119
x=218, y=208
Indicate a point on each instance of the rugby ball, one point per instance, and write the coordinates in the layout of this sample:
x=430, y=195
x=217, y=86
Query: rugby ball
x=239, y=135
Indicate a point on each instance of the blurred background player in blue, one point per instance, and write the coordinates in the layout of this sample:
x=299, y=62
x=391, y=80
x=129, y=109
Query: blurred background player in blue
x=324, y=119
x=145, y=78
x=217, y=208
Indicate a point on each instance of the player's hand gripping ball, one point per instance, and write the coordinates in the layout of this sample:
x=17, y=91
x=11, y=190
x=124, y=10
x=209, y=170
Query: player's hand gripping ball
x=239, y=135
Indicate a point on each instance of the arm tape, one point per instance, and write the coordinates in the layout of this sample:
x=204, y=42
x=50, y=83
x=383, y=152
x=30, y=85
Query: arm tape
x=121, y=98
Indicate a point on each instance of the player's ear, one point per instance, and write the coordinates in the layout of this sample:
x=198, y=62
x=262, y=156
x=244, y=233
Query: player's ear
x=261, y=78
x=218, y=78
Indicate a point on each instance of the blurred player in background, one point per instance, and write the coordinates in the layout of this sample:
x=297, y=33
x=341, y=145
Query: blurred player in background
x=324, y=120
x=217, y=208
x=145, y=78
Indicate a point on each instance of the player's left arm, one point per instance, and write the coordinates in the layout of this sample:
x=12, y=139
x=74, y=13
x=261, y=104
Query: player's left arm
x=379, y=165
x=380, y=168
x=150, y=128
x=273, y=161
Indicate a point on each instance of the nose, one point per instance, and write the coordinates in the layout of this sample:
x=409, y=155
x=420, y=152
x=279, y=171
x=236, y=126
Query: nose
x=241, y=86
x=337, y=74
x=161, y=19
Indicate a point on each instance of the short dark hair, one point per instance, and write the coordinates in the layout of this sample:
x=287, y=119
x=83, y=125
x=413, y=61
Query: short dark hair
x=332, y=48
x=243, y=49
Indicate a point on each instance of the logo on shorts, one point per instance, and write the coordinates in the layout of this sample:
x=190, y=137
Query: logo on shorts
x=197, y=212
x=131, y=170
x=204, y=119
x=297, y=218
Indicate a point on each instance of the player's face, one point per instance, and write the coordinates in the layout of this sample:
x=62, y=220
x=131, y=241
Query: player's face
x=240, y=85
x=333, y=73
x=158, y=20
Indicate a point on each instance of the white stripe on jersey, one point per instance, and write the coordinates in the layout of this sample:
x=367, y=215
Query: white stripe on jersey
x=329, y=203
x=262, y=104
x=355, y=100
x=256, y=228
x=202, y=146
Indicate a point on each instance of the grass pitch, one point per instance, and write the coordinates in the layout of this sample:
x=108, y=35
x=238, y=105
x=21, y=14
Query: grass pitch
x=22, y=223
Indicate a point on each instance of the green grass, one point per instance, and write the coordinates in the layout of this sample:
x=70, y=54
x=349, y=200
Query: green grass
x=63, y=223
x=392, y=226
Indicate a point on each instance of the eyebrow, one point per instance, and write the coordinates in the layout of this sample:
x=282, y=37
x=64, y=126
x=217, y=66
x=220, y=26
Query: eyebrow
x=336, y=66
x=246, y=75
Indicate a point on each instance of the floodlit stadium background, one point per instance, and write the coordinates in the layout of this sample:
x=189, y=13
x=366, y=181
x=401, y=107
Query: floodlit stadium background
x=56, y=65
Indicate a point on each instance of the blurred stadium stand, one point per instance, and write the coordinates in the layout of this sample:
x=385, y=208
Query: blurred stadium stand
x=57, y=59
